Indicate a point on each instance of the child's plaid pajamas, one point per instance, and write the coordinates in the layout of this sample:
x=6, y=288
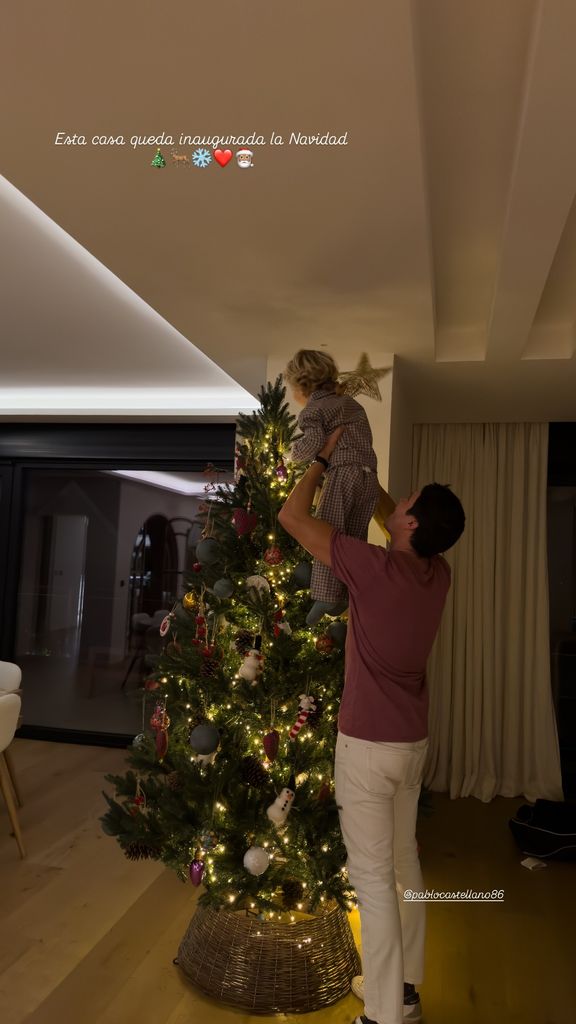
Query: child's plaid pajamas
x=350, y=491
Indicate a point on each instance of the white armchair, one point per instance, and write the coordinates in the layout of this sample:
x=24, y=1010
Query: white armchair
x=10, y=704
x=10, y=680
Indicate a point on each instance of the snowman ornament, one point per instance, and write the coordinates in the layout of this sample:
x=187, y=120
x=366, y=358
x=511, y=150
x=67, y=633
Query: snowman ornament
x=252, y=667
x=280, y=809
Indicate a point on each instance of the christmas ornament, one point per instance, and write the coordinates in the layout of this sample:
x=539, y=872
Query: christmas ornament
x=315, y=716
x=223, y=588
x=165, y=624
x=243, y=521
x=363, y=380
x=281, y=471
x=160, y=718
x=200, y=627
x=208, y=551
x=292, y=893
x=140, y=740
x=205, y=759
x=160, y=722
x=197, y=567
x=190, y=601
x=252, y=772
x=258, y=583
x=280, y=809
x=324, y=644
x=273, y=555
x=324, y=792
x=138, y=802
x=302, y=575
x=158, y=160
x=175, y=781
x=204, y=739
x=271, y=742
x=208, y=841
x=211, y=663
x=151, y=684
x=337, y=632
x=256, y=860
x=243, y=641
x=252, y=667
x=306, y=706
x=140, y=851
x=196, y=870
x=280, y=624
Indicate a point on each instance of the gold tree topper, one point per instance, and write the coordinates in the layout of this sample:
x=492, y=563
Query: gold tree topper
x=363, y=380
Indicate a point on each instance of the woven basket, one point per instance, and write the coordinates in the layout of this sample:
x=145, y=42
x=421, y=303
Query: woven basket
x=270, y=967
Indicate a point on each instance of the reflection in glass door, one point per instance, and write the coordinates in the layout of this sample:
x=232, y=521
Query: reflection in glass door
x=103, y=556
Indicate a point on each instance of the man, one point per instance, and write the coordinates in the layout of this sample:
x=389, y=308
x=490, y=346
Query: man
x=396, y=601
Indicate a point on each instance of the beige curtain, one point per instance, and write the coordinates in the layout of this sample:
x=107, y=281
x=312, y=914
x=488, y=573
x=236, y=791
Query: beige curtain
x=492, y=724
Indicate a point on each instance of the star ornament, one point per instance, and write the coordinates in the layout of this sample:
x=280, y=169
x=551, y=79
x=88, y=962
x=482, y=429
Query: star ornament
x=363, y=380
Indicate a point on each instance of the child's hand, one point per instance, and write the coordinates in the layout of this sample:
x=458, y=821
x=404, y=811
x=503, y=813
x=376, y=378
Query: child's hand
x=331, y=443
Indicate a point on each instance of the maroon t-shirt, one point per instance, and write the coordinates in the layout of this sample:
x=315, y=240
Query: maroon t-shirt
x=396, y=601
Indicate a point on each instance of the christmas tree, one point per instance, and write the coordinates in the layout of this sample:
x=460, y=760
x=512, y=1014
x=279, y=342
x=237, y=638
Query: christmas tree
x=232, y=786
x=158, y=160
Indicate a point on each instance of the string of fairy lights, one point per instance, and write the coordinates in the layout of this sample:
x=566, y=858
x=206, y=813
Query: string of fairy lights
x=216, y=871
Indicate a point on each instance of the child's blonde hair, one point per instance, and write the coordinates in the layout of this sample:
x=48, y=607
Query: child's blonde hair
x=310, y=370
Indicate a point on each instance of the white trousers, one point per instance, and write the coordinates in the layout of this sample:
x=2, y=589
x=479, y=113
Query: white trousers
x=377, y=790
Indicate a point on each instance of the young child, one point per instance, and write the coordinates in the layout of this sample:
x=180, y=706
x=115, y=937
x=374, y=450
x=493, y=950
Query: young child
x=350, y=490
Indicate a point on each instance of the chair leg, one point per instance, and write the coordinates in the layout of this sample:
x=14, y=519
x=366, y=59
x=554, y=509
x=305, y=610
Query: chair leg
x=6, y=786
x=13, y=780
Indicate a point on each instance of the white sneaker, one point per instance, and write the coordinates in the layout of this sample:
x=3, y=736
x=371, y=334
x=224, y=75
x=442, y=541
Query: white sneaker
x=412, y=1004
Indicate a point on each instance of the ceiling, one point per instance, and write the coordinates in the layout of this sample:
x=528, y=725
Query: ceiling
x=443, y=232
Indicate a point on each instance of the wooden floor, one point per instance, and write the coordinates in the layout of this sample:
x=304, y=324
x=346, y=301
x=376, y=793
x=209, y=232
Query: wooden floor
x=86, y=936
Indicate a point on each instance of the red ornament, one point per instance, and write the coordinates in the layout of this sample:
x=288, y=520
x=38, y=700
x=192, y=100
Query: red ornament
x=151, y=684
x=244, y=522
x=281, y=471
x=271, y=742
x=197, y=567
x=273, y=556
x=324, y=792
x=324, y=644
x=160, y=719
x=161, y=742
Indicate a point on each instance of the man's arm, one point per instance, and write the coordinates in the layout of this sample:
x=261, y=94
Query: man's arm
x=384, y=508
x=313, y=534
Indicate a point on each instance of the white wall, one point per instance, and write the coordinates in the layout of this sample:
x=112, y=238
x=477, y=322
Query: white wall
x=401, y=430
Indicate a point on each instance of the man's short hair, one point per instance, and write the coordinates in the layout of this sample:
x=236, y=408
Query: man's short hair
x=440, y=518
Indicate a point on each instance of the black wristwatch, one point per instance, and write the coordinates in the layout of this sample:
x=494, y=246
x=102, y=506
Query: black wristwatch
x=322, y=461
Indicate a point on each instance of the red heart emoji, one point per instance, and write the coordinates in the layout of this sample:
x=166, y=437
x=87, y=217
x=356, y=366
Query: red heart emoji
x=223, y=156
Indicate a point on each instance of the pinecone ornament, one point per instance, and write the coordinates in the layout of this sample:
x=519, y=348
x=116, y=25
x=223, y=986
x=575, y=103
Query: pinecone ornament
x=292, y=893
x=175, y=781
x=243, y=641
x=140, y=851
x=252, y=772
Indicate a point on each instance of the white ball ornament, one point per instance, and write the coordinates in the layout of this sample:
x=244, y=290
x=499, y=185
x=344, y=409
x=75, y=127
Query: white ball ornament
x=256, y=860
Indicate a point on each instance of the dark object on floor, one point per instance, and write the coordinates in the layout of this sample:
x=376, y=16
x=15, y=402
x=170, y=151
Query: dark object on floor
x=546, y=829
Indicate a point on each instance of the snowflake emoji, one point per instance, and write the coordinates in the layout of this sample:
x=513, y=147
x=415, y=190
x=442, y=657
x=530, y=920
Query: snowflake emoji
x=201, y=157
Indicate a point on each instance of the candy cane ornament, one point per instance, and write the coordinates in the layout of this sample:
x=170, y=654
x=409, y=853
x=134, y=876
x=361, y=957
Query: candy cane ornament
x=305, y=708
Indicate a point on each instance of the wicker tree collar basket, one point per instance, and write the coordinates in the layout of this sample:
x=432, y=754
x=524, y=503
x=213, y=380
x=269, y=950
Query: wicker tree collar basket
x=267, y=966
